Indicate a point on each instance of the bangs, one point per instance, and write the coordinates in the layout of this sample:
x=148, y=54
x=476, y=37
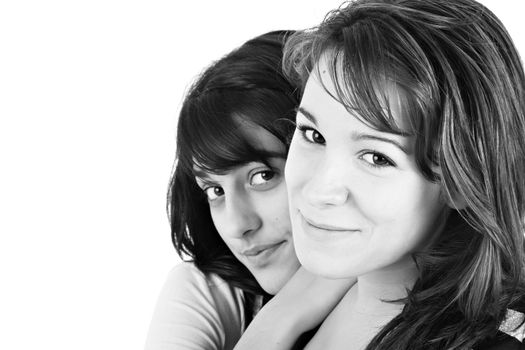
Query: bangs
x=371, y=79
x=215, y=137
x=375, y=70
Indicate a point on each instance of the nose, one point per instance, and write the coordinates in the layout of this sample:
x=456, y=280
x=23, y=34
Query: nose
x=242, y=216
x=328, y=186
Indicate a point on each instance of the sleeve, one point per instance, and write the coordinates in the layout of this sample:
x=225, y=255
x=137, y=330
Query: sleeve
x=510, y=334
x=503, y=343
x=195, y=312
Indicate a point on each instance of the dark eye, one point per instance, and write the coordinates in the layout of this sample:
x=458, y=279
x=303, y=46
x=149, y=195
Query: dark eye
x=213, y=192
x=377, y=159
x=311, y=135
x=261, y=177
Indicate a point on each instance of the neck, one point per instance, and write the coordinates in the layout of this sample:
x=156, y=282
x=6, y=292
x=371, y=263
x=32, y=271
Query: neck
x=389, y=283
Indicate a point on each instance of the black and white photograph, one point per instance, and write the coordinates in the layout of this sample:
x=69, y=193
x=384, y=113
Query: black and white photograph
x=244, y=175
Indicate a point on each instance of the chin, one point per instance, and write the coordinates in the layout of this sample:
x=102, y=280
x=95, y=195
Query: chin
x=273, y=281
x=321, y=265
x=271, y=286
x=310, y=262
x=319, y=270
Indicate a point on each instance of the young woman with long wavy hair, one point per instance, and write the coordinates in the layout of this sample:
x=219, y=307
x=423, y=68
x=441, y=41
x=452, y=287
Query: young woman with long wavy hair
x=406, y=169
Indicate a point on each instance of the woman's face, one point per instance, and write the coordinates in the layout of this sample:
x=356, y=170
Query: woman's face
x=249, y=207
x=358, y=203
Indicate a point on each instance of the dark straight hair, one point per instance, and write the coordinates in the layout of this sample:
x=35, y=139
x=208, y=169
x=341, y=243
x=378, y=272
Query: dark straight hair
x=246, y=85
x=462, y=90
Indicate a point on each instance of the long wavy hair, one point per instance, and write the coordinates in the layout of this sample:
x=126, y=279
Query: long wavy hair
x=462, y=87
x=246, y=84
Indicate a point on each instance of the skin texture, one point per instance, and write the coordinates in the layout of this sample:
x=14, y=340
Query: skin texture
x=300, y=305
x=249, y=208
x=359, y=207
x=358, y=202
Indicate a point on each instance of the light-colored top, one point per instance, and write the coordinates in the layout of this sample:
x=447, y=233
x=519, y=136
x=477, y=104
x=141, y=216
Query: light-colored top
x=196, y=312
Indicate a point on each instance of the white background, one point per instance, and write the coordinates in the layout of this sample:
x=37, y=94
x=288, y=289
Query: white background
x=89, y=94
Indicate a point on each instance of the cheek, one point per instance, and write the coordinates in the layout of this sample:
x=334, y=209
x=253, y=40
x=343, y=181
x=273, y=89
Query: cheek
x=274, y=208
x=220, y=223
x=406, y=220
x=405, y=198
x=296, y=170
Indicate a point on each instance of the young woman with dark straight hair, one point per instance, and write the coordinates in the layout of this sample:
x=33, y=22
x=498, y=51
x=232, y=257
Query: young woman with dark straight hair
x=228, y=208
x=406, y=169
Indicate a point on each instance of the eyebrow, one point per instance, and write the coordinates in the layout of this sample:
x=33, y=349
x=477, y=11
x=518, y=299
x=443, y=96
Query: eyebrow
x=361, y=136
x=356, y=136
x=201, y=174
x=307, y=114
x=205, y=175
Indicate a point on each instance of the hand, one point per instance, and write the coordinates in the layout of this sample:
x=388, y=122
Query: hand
x=300, y=305
x=307, y=299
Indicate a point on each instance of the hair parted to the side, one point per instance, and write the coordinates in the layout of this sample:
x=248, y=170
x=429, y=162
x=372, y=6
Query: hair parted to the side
x=246, y=85
x=462, y=87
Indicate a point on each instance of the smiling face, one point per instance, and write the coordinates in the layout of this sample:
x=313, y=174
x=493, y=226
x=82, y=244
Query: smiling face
x=249, y=208
x=358, y=202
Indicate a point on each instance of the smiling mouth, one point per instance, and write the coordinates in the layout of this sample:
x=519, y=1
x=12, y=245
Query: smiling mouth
x=259, y=249
x=261, y=255
x=324, y=233
x=326, y=227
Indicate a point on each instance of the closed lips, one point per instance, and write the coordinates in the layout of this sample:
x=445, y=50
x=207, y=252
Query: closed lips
x=326, y=227
x=258, y=249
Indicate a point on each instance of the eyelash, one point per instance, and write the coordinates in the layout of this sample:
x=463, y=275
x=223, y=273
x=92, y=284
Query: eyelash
x=303, y=129
x=270, y=171
x=209, y=185
x=377, y=166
